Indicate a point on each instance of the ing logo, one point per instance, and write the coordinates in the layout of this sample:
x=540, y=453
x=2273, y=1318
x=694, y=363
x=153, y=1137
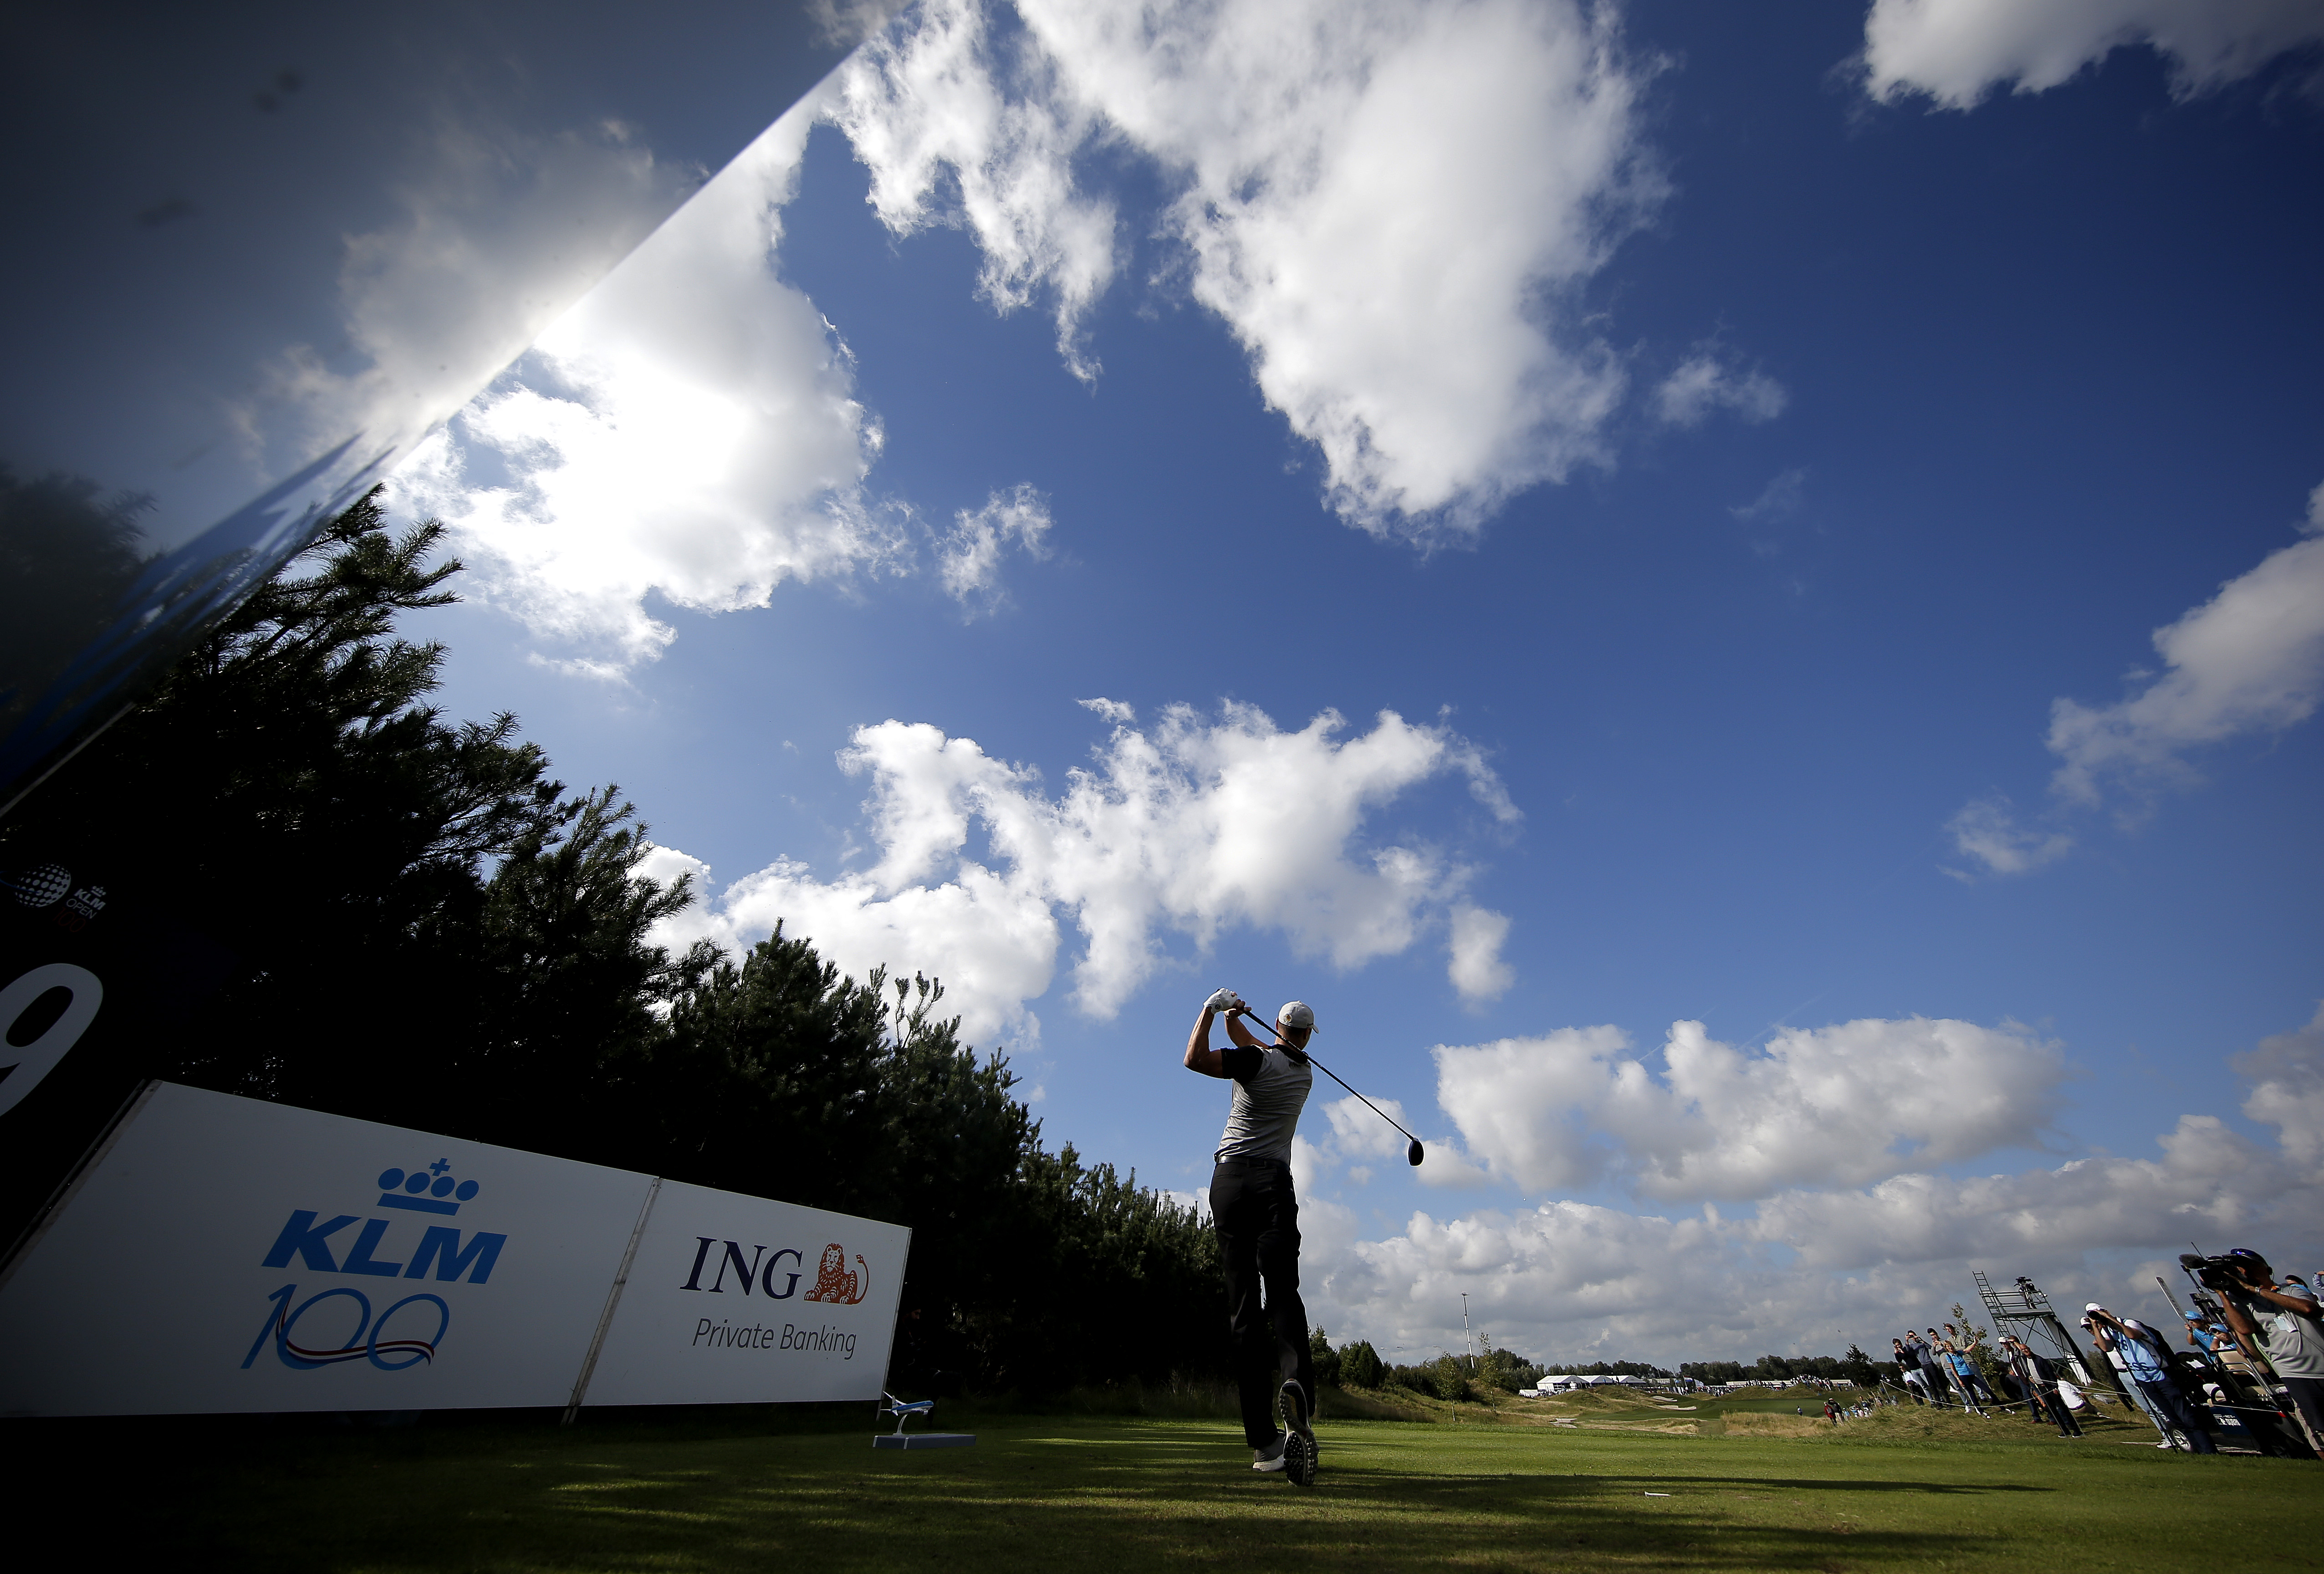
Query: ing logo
x=757, y=1273
x=833, y=1282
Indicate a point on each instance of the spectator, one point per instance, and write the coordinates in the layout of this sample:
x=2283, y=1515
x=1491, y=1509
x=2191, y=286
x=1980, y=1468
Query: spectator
x=2041, y=1382
x=1962, y=1354
x=1939, y=1374
x=2283, y=1323
x=2131, y=1392
x=2231, y=1352
x=2146, y=1358
x=1949, y=1369
x=2014, y=1382
x=1908, y=1366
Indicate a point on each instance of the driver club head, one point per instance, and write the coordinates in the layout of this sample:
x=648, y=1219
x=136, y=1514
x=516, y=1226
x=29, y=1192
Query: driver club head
x=1413, y=1154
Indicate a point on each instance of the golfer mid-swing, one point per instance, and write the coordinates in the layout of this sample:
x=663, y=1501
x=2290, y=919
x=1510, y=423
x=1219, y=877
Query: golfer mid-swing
x=1257, y=1215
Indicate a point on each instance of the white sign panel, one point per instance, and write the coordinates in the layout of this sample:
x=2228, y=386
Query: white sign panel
x=736, y=1298
x=232, y=1254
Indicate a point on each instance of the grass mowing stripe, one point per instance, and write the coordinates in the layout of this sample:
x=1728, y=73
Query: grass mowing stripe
x=1038, y=1493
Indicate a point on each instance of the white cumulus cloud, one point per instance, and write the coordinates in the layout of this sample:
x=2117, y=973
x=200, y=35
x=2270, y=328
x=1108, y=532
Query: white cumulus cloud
x=1391, y=205
x=690, y=430
x=1189, y=828
x=1476, y=969
x=1817, y=1263
x=1359, y=1132
x=2251, y=659
x=1839, y=1105
x=2213, y=1183
x=958, y=127
x=1956, y=51
x=499, y=232
x=2287, y=1076
x=2249, y=662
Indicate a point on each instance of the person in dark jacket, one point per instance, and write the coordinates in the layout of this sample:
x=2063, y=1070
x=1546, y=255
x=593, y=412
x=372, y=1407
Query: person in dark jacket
x=2039, y=1378
x=1935, y=1374
x=1908, y=1367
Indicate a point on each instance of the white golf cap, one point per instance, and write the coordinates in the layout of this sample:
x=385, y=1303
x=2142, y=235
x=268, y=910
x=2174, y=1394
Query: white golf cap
x=1297, y=1013
x=2094, y=1306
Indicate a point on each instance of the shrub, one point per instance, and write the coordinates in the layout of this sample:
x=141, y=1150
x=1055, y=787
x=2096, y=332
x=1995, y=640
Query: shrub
x=1446, y=1380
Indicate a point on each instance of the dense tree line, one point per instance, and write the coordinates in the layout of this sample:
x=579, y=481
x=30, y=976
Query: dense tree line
x=1855, y=1366
x=1449, y=1376
x=1452, y=1376
x=1352, y=1366
x=1609, y=1369
x=411, y=921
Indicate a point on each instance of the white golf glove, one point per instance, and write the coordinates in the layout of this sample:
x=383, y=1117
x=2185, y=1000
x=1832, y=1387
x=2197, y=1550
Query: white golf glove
x=1223, y=1000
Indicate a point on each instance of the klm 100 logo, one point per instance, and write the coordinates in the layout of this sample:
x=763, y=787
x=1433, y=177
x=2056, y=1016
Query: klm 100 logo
x=308, y=1237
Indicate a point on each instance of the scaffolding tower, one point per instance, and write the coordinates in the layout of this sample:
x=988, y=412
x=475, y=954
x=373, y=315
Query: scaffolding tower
x=2023, y=1310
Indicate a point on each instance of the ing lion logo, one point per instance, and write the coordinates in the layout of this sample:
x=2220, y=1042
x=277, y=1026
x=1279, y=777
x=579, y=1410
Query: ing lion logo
x=833, y=1282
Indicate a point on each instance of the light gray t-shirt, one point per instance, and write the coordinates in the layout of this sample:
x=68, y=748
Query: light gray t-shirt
x=1270, y=1088
x=2294, y=1344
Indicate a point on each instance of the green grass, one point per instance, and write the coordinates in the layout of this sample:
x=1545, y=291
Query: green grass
x=1078, y=1492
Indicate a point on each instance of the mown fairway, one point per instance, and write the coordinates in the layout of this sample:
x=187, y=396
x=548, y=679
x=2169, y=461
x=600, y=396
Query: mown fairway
x=1146, y=1493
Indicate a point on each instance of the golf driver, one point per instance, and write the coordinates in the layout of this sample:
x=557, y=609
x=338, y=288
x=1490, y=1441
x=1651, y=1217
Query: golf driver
x=1412, y=1154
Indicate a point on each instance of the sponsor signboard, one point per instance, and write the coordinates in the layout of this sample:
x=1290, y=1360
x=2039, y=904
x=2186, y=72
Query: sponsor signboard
x=737, y=1298
x=223, y=1254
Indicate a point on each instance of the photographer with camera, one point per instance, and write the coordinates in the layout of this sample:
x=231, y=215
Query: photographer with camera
x=2280, y=1322
x=2141, y=1354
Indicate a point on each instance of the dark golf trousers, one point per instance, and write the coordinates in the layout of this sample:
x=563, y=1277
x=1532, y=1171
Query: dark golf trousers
x=2307, y=1395
x=1256, y=1214
x=2172, y=1406
x=2055, y=1403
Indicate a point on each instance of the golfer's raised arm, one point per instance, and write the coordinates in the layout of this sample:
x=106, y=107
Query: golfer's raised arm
x=1200, y=1057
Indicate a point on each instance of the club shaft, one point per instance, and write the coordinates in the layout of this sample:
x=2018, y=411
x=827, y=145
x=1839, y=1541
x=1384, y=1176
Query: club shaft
x=1336, y=1077
x=1368, y=1104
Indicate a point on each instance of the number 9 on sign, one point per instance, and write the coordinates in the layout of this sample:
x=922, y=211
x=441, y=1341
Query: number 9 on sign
x=43, y=1015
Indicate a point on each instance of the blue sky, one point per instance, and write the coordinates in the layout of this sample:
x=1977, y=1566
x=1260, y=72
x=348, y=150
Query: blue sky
x=1691, y=453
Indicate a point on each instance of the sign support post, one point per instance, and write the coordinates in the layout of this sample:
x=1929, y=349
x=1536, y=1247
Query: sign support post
x=613, y=1299
x=30, y=1236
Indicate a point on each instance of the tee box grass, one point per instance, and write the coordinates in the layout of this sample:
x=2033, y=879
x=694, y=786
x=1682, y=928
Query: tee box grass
x=1138, y=1492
